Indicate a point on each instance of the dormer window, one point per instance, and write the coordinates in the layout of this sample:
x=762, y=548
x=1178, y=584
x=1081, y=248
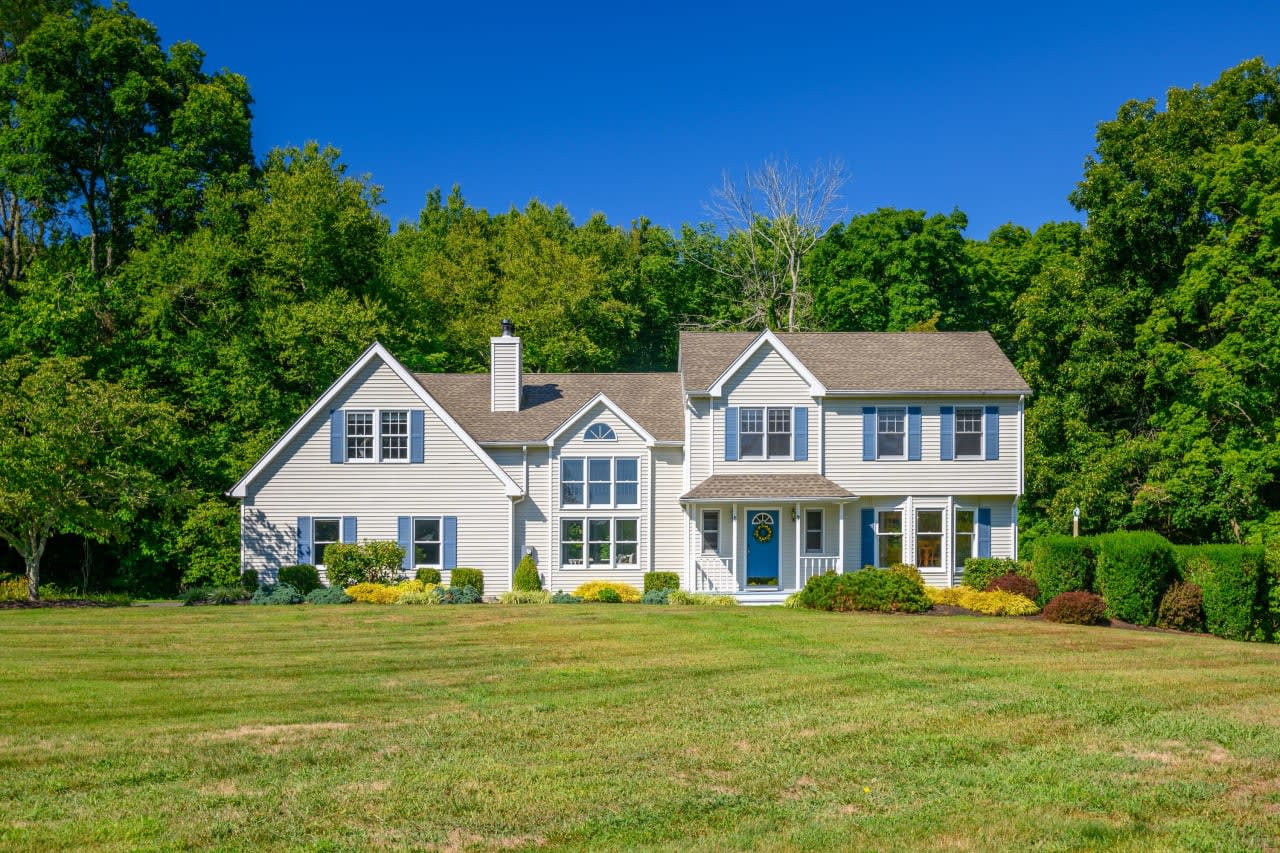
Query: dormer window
x=600, y=432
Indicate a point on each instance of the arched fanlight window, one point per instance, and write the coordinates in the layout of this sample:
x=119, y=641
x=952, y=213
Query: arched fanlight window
x=600, y=432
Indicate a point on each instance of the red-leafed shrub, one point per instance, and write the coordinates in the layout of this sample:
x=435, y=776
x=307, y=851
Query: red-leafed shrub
x=1182, y=608
x=1076, y=608
x=1016, y=584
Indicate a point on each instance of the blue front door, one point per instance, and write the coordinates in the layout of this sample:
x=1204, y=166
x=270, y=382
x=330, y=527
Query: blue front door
x=762, y=548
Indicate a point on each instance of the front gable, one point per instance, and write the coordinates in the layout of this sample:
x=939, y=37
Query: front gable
x=765, y=358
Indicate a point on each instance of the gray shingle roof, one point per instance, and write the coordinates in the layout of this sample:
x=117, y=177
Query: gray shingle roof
x=653, y=400
x=866, y=361
x=726, y=487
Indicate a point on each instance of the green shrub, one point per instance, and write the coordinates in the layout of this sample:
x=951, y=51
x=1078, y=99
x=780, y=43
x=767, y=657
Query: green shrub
x=459, y=595
x=1134, y=569
x=681, y=598
x=431, y=576
x=375, y=561
x=1016, y=584
x=329, y=595
x=981, y=571
x=428, y=595
x=608, y=595
x=1233, y=580
x=303, y=578
x=1062, y=564
x=909, y=572
x=881, y=590
x=1076, y=608
x=527, y=578
x=661, y=580
x=656, y=596
x=473, y=578
x=525, y=596
x=276, y=594
x=249, y=580
x=562, y=597
x=194, y=595
x=207, y=546
x=1182, y=608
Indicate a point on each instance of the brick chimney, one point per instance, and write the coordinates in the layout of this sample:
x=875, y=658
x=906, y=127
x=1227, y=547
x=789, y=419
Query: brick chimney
x=506, y=370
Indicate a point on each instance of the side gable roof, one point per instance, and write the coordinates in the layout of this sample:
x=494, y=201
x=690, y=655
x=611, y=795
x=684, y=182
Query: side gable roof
x=866, y=362
x=376, y=350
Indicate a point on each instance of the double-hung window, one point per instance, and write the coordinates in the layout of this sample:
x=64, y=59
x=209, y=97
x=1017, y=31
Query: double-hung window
x=377, y=436
x=599, y=481
x=394, y=435
x=888, y=538
x=711, y=531
x=324, y=532
x=360, y=436
x=813, y=531
x=929, y=538
x=602, y=541
x=964, y=538
x=426, y=541
x=764, y=433
x=891, y=433
x=969, y=432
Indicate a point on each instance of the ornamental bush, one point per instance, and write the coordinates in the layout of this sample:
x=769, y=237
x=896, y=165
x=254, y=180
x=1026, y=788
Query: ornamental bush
x=303, y=578
x=1076, y=608
x=416, y=592
x=276, y=594
x=527, y=577
x=979, y=572
x=1062, y=564
x=681, y=598
x=1016, y=584
x=562, y=597
x=431, y=576
x=1234, y=583
x=473, y=578
x=525, y=596
x=375, y=561
x=996, y=602
x=909, y=572
x=1134, y=569
x=661, y=580
x=608, y=595
x=590, y=591
x=1182, y=608
x=881, y=590
x=459, y=595
x=328, y=595
x=249, y=580
x=656, y=596
x=373, y=593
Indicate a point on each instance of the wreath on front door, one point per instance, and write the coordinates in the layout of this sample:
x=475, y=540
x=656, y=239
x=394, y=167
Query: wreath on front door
x=763, y=533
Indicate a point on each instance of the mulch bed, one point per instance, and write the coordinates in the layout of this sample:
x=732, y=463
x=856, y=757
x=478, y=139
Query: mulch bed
x=28, y=605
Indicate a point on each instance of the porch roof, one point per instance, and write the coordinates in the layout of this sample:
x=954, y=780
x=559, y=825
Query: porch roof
x=761, y=487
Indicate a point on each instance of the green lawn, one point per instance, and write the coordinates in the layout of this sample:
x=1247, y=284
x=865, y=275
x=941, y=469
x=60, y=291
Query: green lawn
x=606, y=726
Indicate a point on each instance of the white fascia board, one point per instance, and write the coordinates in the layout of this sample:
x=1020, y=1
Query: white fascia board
x=376, y=350
x=611, y=406
x=899, y=393
x=816, y=388
x=769, y=501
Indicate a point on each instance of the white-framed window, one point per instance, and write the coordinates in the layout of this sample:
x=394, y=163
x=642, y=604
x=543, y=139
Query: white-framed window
x=764, y=432
x=360, y=436
x=813, y=531
x=393, y=439
x=600, y=432
x=964, y=540
x=929, y=538
x=891, y=433
x=601, y=541
x=324, y=532
x=888, y=537
x=426, y=542
x=968, y=432
x=599, y=481
x=711, y=531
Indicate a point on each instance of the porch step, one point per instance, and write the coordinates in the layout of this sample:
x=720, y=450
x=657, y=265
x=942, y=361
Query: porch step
x=762, y=596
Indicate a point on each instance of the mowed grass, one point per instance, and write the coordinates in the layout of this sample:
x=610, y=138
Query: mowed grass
x=610, y=726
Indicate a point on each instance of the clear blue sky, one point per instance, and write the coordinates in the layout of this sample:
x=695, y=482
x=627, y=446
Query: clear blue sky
x=635, y=109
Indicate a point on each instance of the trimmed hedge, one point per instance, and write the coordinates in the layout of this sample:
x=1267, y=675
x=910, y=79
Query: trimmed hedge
x=427, y=575
x=1134, y=569
x=303, y=578
x=473, y=578
x=527, y=578
x=1062, y=564
x=661, y=580
x=881, y=590
x=979, y=572
x=1234, y=583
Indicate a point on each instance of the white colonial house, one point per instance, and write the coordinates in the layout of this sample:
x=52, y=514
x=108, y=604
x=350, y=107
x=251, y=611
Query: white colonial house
x=763, y=460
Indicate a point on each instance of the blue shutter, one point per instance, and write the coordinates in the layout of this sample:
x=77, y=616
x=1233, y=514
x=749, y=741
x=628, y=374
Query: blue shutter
x=947, y=437
x=913, y=433
x=868, y=537
x=304, y=539
x=349, y=529
x=984, y=531
x=992, y=424
x=404, y=535
x=731, y=434
x=868, y=433
x=415, y=436
x=450, y=541
x=801, y=435
x=337, y=437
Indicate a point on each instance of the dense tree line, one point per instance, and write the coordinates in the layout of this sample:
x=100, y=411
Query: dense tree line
x=193, y=300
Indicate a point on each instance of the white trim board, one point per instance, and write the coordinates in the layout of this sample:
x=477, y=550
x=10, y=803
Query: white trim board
x=601, y=398
x=816, y=388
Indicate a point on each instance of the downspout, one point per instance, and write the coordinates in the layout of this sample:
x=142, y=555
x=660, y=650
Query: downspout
x=1022, y=443
x=513, y=549
x=652, y=490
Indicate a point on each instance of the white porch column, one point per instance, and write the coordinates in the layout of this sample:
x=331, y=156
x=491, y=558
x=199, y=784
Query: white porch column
x=736, y=567
x=840, y=542
x=797, y=521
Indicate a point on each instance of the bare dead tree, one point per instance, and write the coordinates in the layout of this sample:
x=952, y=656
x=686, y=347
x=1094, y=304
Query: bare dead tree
x=773, y=218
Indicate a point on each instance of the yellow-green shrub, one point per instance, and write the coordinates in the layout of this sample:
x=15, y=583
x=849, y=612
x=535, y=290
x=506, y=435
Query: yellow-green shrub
x=994, y=603
x=373, y=593
x=525, y=596
x=416, y=592
x=590, y=591
x=14, y=589
x=680, y=597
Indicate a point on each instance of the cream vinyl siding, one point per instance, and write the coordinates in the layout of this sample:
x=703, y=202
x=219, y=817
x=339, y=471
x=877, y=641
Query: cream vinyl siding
x=572, y=443
x=700, y=440
x=765, y=380
x=668, y=517
x=301, y=481
x=929, y=475
x=531, y=513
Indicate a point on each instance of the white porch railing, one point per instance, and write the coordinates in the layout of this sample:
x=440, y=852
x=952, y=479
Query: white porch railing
x=714, y=574
x=810, y=566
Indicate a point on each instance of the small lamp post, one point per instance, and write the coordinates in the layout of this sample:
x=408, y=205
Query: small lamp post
x=1075, y=521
